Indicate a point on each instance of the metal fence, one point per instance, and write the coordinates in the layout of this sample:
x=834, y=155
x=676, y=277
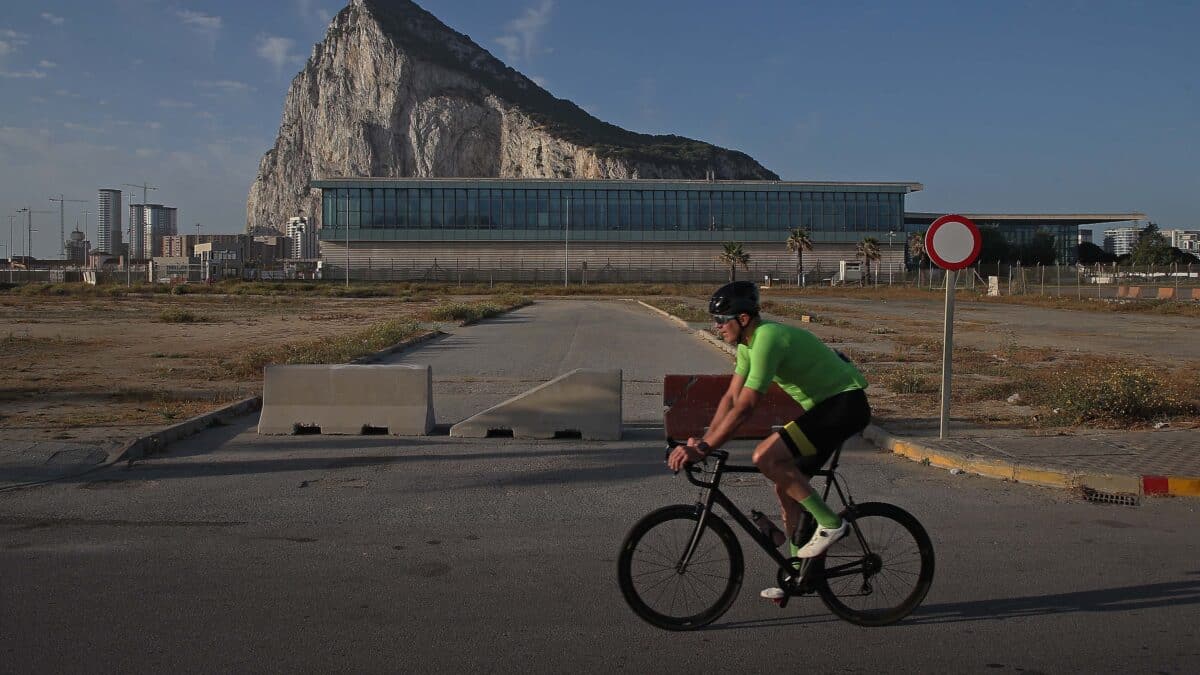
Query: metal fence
x=1098, y=281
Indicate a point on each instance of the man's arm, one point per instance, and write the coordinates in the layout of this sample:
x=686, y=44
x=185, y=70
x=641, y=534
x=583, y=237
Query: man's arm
x=737, y=413
x=733, y=408
x=727, y=400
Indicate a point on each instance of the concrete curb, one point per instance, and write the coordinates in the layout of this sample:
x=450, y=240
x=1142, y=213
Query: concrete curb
x=1174, y=486
x=1034, y=474
x=149, y=444
x=398, y=347
x=702, y=334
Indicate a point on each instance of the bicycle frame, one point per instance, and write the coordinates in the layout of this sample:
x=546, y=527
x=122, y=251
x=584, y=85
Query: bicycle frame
x=715, y=496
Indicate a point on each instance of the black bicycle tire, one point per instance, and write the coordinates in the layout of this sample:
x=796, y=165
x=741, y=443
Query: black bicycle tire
x=713, y=525
x=924, y=547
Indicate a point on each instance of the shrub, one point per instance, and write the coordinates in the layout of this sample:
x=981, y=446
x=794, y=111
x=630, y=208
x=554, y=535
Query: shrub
x=328, y=350
x=178, y=315
x=909, y=381
x=1116, y=394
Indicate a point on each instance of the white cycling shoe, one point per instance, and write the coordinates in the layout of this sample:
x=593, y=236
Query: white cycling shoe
x=822, y=539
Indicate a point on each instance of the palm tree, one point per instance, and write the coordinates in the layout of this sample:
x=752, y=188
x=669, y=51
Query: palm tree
x=799, y=241
x=916, y=251
x=733, y=254
x=868, y=250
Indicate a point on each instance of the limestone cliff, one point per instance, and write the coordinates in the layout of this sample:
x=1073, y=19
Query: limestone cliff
x=391, y=91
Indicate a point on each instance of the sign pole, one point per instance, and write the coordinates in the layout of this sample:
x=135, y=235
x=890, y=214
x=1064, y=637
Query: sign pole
x=953, y=243
x=947, y=351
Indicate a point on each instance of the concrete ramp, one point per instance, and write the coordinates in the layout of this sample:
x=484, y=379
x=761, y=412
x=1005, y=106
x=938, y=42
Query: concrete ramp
x=347, y=399
x=580, y=404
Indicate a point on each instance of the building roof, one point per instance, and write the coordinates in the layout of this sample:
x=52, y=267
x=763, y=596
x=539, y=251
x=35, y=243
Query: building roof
x=891, y=186
x=923, y=218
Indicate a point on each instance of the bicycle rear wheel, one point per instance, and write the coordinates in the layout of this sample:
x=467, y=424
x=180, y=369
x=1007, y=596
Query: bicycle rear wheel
x=880, y=571
x=662, y=592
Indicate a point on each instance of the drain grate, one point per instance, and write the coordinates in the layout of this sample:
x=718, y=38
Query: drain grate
x=1119, y=498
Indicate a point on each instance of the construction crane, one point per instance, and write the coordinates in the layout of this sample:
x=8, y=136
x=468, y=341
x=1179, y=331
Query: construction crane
x=62, y=224
x=146, y=188
x=29, y=228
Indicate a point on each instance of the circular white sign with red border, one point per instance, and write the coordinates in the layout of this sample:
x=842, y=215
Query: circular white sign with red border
x=953, y=242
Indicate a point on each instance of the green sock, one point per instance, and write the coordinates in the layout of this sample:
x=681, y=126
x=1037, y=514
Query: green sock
x=820, y=510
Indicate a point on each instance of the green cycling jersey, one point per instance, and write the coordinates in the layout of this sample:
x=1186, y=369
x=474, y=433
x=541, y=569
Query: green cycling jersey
x=806, y=368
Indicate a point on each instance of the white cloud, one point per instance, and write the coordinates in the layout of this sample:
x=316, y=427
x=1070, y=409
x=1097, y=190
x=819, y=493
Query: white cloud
x=37, y=99
x=227, y=86
x=52, y=18
x=539, y=80
x=174, y=103
x=46, y=64
x=81, y=127
x=145, y=152
x=6, y=48
x=201, y=23
x=22, y=74
x=276, y=50
x=521, y=34
x=154, y=125
x=310, y=13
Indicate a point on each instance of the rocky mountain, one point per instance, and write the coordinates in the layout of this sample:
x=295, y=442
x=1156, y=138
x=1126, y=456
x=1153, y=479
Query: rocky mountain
x=393, y=92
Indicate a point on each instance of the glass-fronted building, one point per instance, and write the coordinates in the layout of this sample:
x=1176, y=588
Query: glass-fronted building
x=1020, y=228
x=674, y=224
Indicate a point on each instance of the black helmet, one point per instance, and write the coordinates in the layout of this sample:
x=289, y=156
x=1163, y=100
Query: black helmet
x=735, y=298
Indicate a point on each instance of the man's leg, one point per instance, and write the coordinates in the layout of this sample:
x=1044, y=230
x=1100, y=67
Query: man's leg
x=776, y=461
x=790, y=508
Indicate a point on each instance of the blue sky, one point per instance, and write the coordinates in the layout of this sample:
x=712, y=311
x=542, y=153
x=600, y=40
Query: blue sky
x=994, y=106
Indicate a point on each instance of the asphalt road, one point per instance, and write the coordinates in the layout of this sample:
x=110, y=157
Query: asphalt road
x=234, y=552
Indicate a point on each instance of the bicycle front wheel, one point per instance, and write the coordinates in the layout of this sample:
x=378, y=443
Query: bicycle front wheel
x=657, y=583
x=880, y=571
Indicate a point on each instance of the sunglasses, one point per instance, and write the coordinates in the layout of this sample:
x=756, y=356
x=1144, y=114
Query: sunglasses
x=719, y=319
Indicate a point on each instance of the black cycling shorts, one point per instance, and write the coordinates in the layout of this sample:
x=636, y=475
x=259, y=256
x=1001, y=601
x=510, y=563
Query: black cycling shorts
x=813, y=436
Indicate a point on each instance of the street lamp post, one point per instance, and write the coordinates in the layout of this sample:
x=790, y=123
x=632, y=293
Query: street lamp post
x=347, y=253
x=566, y=242
x=891, y=244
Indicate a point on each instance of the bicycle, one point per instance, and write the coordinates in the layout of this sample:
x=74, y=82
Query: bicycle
x=677, y=578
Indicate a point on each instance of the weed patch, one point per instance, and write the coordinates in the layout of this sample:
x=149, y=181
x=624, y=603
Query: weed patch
x=680, y=308
x=327, y=350
x=178, y=315
x=909, y=380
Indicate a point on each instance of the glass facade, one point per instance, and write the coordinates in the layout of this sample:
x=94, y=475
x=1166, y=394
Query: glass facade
x=384, y=209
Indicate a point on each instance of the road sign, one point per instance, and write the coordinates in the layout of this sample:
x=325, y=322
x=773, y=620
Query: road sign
x=953, y=242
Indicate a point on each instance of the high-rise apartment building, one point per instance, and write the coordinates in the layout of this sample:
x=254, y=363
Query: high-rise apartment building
x=1121, y=240
x=303, y=234
x=151, y=222
x=108, y=222
x=1184, y=240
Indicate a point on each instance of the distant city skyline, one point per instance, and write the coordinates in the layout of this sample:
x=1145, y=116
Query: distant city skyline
x=995, y=107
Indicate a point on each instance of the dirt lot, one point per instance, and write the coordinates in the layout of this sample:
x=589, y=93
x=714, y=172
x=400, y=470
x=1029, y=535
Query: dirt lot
x=87, y=368
x=102, y=368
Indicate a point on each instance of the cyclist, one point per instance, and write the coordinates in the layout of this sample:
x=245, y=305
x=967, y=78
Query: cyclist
x=825, y=384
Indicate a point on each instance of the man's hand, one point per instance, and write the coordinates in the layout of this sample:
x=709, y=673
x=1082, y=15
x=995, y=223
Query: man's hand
x=684, y=454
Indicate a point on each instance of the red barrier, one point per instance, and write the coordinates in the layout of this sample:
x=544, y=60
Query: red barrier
x=691, y=400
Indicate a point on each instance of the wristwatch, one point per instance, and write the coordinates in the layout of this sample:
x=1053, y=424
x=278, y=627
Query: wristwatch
x=703, y=447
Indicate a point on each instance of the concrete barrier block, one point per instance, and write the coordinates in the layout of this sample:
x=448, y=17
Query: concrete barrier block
x=582, y=402
x=396, y=397
x=1134, y=292
x=1166, y=294
x=347, y=399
